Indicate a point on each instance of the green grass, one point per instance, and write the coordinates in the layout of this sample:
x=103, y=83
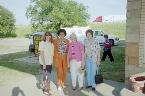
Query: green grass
x=23, y=30
x=117, y=29
x=10, y=62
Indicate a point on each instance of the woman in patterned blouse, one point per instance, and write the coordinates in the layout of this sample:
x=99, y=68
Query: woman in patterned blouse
x=92, y=58
x=60, y=58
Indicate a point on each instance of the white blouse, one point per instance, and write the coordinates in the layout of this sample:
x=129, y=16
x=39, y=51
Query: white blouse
x=48, y=49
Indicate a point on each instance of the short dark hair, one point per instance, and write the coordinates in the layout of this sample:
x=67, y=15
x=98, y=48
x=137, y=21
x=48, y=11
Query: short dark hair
x=61, y=31
x=89, y=31
x=106, y=36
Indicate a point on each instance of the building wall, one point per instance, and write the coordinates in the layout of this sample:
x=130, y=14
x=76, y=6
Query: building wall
x=142, y=36
x=135, y=31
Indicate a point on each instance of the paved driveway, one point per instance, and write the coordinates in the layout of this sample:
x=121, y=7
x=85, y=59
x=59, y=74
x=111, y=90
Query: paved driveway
x=12, y=45
x=30, y=87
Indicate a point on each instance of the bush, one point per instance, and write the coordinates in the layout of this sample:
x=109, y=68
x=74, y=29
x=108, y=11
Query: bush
x=9, y=34
x=2, y=35
x=26, y=35
x=7, y=23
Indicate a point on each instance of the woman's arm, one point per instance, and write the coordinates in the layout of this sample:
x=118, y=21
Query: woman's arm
x=98, y=57
x=82, y=53
x=67, y=50
x=52, y=49
x=68, y=60
x=42, y=58
x=83, y=60
x=98, y=52
x=42, y=53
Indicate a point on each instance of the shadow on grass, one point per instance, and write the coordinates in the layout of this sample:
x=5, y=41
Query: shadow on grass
x=9, y=61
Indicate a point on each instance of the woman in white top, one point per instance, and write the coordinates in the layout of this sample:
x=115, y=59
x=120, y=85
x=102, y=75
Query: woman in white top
x=46, y=49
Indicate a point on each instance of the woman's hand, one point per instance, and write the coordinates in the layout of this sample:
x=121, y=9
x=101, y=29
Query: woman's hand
x=98, y=62
x=44, y=66
x=68, y=65
x=82, y=65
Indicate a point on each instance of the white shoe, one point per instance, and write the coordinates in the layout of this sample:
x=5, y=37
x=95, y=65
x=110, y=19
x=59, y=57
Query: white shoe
x=59, y=88
x=63, y=87
x=42, y=86
x=46, y=93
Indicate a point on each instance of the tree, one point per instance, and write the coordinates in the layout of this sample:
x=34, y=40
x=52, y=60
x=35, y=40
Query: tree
x=7, y=23
x=54, y=14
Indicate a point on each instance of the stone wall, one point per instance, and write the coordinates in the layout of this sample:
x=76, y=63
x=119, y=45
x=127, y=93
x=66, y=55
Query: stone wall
x=135, y=31
x=142, y=36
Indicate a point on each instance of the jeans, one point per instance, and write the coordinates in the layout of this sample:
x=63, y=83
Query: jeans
x=91, y=68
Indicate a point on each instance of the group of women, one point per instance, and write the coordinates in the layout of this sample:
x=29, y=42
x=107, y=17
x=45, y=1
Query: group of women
x=70, y=54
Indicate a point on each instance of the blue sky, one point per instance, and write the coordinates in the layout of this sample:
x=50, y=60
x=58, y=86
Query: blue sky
x=94, y=7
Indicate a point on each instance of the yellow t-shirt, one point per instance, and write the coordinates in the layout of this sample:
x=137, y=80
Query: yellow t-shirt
x=48, y=49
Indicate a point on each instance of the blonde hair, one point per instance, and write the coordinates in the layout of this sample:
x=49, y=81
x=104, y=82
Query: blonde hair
x=73, y=36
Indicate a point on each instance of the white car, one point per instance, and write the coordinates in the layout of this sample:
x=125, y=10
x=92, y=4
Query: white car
x=80, y=31
x=100, y=36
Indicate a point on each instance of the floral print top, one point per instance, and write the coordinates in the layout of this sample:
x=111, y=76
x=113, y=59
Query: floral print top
x=62, y=47
x=92, y=48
